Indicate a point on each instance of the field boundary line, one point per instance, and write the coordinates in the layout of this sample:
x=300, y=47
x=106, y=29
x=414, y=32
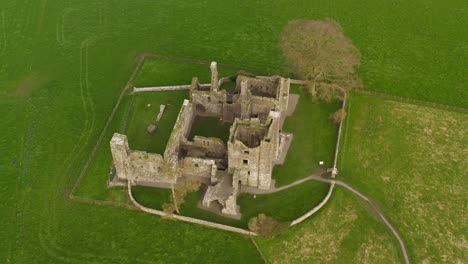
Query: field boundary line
x=411, y=100
x=102, y=202
x=104, y=130
x=258, y=249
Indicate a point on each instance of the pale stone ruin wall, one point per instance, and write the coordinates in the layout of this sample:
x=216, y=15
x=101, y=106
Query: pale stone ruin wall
x=197, y=167
x=205, y=148
x=256, y=107
x=138, y=166
x=252, y=150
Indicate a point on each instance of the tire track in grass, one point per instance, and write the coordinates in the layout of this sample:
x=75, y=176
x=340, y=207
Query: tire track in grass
x=29, y=139
x=46, y=230
x=88, y=107
x=60, y=26
x=3, y=29
x=104, y=130
x=87, y=104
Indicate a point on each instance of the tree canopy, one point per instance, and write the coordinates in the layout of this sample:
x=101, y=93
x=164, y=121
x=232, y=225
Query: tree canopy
x=319, y=53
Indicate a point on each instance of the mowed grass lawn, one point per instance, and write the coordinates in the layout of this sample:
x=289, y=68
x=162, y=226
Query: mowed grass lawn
x=412, y=160
x=341, y=232
x=210, y=127
x=284, y=206
x=314, y=138
x=142, y=116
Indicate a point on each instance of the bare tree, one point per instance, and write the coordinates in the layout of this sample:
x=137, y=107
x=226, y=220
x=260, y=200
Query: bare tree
x=338, y=116
x=319, y=53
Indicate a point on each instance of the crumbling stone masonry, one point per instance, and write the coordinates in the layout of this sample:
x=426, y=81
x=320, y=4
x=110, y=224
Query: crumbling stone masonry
x=255, y=108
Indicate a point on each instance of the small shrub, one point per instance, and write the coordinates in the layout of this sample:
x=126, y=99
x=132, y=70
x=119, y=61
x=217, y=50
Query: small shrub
x=338, y=116
x=266, y=226
x=179, y=193
x=168, y=208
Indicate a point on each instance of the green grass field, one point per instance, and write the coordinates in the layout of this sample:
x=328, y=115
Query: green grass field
x=412, y=160
x=65, y=62
x=143, y=116
x=342, y=232
x=314, y=139
x=284, y=206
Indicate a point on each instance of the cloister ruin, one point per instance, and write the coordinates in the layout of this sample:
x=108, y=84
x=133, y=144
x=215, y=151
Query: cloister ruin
x=255, y=108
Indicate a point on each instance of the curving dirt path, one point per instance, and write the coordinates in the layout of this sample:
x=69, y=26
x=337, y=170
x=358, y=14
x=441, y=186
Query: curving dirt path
x=247, y=189
x=318, y=177
x=374, y=207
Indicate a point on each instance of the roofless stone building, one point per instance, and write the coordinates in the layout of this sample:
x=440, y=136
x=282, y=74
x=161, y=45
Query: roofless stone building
x=256, y=108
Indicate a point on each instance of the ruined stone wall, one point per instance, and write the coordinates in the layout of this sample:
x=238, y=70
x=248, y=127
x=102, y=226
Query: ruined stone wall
x=254, y=160
x=214, y=76
x=208, y=103
x=266, y=87
x=230, y=112
x=181, y=130
x=251, y=136
x=283, y=95
x=197, y=167
x=120, y=151
x=149, y=167
x=211, y=147
x=261, y=106
x=138, y=166
x=245, y=161
x=252, y=149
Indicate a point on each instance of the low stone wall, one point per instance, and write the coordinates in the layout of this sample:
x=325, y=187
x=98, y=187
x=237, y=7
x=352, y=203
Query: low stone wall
x=165, y=88
x=187, y=219
x=316, y=208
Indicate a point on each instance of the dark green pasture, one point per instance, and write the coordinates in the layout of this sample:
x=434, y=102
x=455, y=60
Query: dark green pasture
x=64, y=63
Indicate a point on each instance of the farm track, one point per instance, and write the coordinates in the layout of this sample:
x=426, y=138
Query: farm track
x=258, y=249
x=373, y=206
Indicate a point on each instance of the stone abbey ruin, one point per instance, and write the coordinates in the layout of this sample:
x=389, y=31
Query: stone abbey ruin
x=255, y=108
